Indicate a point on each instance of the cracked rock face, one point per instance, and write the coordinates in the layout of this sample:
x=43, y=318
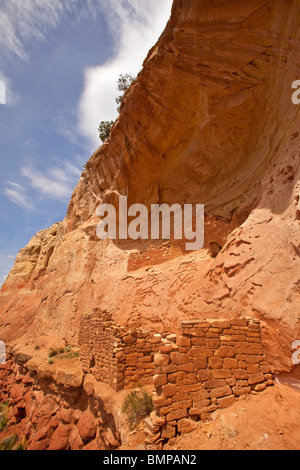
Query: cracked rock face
x=209, y=120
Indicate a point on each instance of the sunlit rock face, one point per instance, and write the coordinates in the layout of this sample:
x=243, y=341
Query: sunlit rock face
x=208, y=120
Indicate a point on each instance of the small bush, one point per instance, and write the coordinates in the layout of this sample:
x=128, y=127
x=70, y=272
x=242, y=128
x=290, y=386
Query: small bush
x=4, y=411
x=9, y=442
x=55, y=352
x=137, y=405
x=104, y=129
x=124, y=83
x=73, y=354
x=68, y=353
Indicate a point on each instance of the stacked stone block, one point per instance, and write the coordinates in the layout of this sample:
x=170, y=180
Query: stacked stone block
x=99, y=341
x=207, y=367
x=139, y=348
x=119, y=357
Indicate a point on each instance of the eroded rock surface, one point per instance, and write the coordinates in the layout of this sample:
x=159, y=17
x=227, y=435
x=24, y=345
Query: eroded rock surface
x=210, y=120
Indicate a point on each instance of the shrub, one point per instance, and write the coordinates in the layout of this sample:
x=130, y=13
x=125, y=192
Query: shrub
x=4, y=411
x=69, y=355
x=9, y=442
x=74, y=354
x=124, y=83
x=104, y=129
x=137, y=405
x=55, y=352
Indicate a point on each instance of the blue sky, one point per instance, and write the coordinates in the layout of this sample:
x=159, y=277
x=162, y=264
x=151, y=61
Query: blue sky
x=60, y=61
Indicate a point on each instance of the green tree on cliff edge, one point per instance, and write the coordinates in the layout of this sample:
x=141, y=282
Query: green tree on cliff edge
x=105, y=127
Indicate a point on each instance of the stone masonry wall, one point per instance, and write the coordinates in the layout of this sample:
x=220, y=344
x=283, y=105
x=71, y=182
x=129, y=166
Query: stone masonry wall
x=98, y=340
x=117, y=356
x=206, y=367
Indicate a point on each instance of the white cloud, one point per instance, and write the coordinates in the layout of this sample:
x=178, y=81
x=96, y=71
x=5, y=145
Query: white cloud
x=56, y=183
x=136, y=26
x=22, y=22
x=16, y=193
x=6, y=263
x=7, y=95
x=2, y=92
x=27, y=22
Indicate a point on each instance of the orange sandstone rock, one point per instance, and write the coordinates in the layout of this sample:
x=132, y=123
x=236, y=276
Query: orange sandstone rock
x=87, y=426
x=209, y=119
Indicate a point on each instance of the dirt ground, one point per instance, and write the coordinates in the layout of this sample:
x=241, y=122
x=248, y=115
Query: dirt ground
x=267, y=421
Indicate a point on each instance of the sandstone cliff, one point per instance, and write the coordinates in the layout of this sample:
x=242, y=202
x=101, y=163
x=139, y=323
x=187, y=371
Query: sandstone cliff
x=210, y=120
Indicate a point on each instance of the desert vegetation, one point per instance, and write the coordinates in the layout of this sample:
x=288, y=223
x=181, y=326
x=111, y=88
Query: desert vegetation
x=105, y=127
x=137, y=406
